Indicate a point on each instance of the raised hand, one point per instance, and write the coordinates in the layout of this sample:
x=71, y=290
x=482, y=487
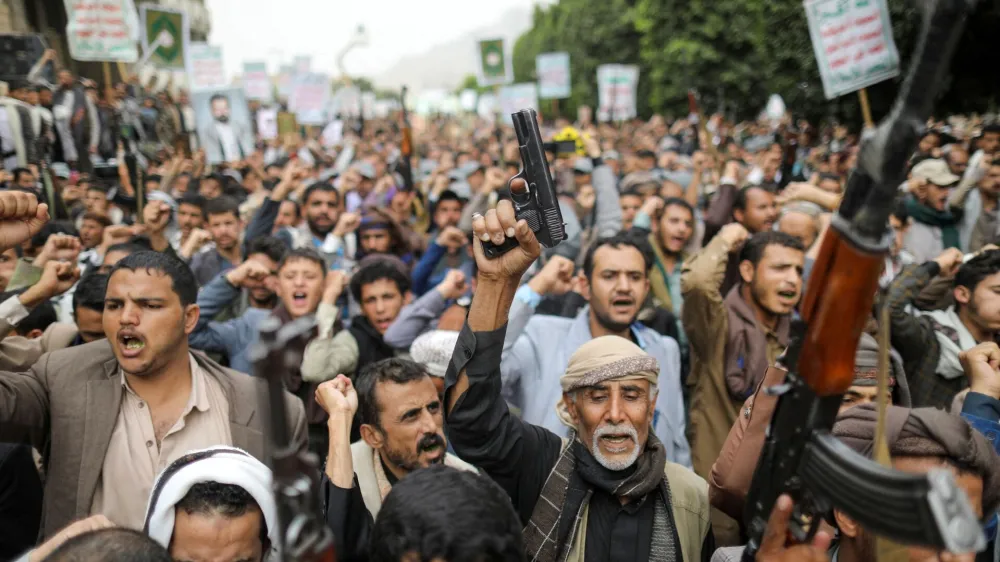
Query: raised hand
x=451, y=237
x=453, y=285
x=248, y=275
x=338, y=396
x=735, y=234
x=59, y=247
x=497, y=226
x=949, y=261
x=347, y=223
x=335, y=282
x=555, y=279
x=57, y=278
x=195, y=241
x=156, y=216
x=774, y=547
x=21, y=217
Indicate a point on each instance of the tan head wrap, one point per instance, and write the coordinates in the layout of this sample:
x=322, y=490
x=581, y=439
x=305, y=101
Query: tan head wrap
x=603, y=359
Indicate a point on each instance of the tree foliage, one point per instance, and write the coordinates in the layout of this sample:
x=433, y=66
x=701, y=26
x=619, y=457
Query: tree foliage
x=736, y=53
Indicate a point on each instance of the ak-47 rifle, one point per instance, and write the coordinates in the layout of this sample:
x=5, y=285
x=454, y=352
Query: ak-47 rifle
x=405, y=167
x=305, y=536
x=800, y=457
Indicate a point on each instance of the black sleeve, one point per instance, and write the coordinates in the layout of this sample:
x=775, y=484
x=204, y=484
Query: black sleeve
x=349, y=520
x=516, y=455
x=708, y=546
x=262, y=222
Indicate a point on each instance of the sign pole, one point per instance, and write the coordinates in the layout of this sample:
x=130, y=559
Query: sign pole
x=555, y=108
x=107, y=75
x=866, y=110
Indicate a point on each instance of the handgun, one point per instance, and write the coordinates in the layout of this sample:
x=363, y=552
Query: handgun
x=538, y=205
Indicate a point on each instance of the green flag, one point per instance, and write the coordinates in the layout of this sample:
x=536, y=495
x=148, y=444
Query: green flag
x=493, y=69
x=169, y=29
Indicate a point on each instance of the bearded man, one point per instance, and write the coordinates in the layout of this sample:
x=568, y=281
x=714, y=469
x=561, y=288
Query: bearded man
x=607, y=491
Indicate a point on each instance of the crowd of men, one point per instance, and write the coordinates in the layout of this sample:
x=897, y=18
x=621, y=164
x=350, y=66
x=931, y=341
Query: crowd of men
x=599, y=400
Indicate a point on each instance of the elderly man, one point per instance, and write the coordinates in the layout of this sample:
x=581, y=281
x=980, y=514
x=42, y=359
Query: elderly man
x=605, y=493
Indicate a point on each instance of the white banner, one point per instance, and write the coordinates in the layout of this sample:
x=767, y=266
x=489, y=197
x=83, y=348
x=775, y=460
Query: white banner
x=616, y=91
x=309, y=98
x=552, y=70
x=516, y=97
x=267, y=123
x=205, y=68
x=486, y=106
x=346, y=102
x=468, y=100
x=853, y=43
x=102, y=30
x=256, y=81
x=286, y=74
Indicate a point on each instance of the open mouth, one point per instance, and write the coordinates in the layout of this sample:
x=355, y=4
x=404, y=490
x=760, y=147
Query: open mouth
x=299, y=299
x=788, y=295
x=622, y=303
x=131, y=344
x=616, y=443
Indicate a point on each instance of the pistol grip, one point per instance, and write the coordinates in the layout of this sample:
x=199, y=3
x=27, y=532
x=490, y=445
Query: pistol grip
x=493, y=251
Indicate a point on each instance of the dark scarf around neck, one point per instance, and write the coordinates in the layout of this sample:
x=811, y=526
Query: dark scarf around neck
x=945, y=220
x=558, y=513
x=371, y=346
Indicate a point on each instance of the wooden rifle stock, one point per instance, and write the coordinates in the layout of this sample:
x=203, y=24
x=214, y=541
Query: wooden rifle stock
x=836, y=306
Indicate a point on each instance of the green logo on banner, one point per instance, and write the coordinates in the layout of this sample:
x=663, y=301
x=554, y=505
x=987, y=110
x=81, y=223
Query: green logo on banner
x=494, y=63
x=170, y=53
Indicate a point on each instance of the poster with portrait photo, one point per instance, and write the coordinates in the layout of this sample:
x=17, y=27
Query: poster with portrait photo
x=224, y=127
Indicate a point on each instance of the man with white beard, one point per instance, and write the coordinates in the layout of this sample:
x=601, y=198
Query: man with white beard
x=606, y=492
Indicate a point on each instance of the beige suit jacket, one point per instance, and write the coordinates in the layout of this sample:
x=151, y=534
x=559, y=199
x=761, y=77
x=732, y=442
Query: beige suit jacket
x=18, y=353
x=68, y=402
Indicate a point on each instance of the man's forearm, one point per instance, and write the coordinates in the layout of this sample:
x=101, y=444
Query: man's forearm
x=491, y=304
x=339, y=464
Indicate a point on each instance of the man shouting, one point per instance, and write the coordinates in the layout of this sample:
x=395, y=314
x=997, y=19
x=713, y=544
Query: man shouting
x=605, y=493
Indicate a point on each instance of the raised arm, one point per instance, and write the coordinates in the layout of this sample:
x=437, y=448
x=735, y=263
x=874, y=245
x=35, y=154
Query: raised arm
x=480, y=427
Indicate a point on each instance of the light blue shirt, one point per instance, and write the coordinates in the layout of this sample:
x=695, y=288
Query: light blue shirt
x=537, y=351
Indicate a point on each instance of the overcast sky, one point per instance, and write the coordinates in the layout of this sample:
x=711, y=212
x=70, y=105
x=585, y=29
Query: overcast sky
x=278, y=30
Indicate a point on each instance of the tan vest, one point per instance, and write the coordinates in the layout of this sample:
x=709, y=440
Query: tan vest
x=364, y=468
x=689, y=503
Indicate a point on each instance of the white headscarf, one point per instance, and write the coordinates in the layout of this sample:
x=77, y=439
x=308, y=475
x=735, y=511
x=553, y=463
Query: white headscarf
x=225, y=465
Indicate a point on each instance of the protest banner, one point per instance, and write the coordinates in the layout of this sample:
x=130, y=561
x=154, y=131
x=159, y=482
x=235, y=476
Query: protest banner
x=205, y=69
x=104, y=30
x=346, y=102
x=302, y=64
x=616, y=91
x=494, y=64
x=256, y=82
x=516, y=97
x=309, y=98
x=168, y=30
x=267, y=123
x=224, y=127
x=853, y=43
x=552, y=71
x=486, y=107
x=468, y=100
x=286, y=74
x=287, y=125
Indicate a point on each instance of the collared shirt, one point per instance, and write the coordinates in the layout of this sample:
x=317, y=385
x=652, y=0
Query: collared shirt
x=134, y=458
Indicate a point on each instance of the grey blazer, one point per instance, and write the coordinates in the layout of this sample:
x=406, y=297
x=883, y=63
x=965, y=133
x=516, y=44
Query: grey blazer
x=68, y=402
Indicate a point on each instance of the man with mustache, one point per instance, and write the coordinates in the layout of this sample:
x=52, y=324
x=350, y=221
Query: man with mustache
x=402, y=429
x=602, y=493
x=616, y=270
x=132, y=402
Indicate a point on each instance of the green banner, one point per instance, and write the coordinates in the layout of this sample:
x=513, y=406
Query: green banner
x=493, y=63
x=169, y=30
